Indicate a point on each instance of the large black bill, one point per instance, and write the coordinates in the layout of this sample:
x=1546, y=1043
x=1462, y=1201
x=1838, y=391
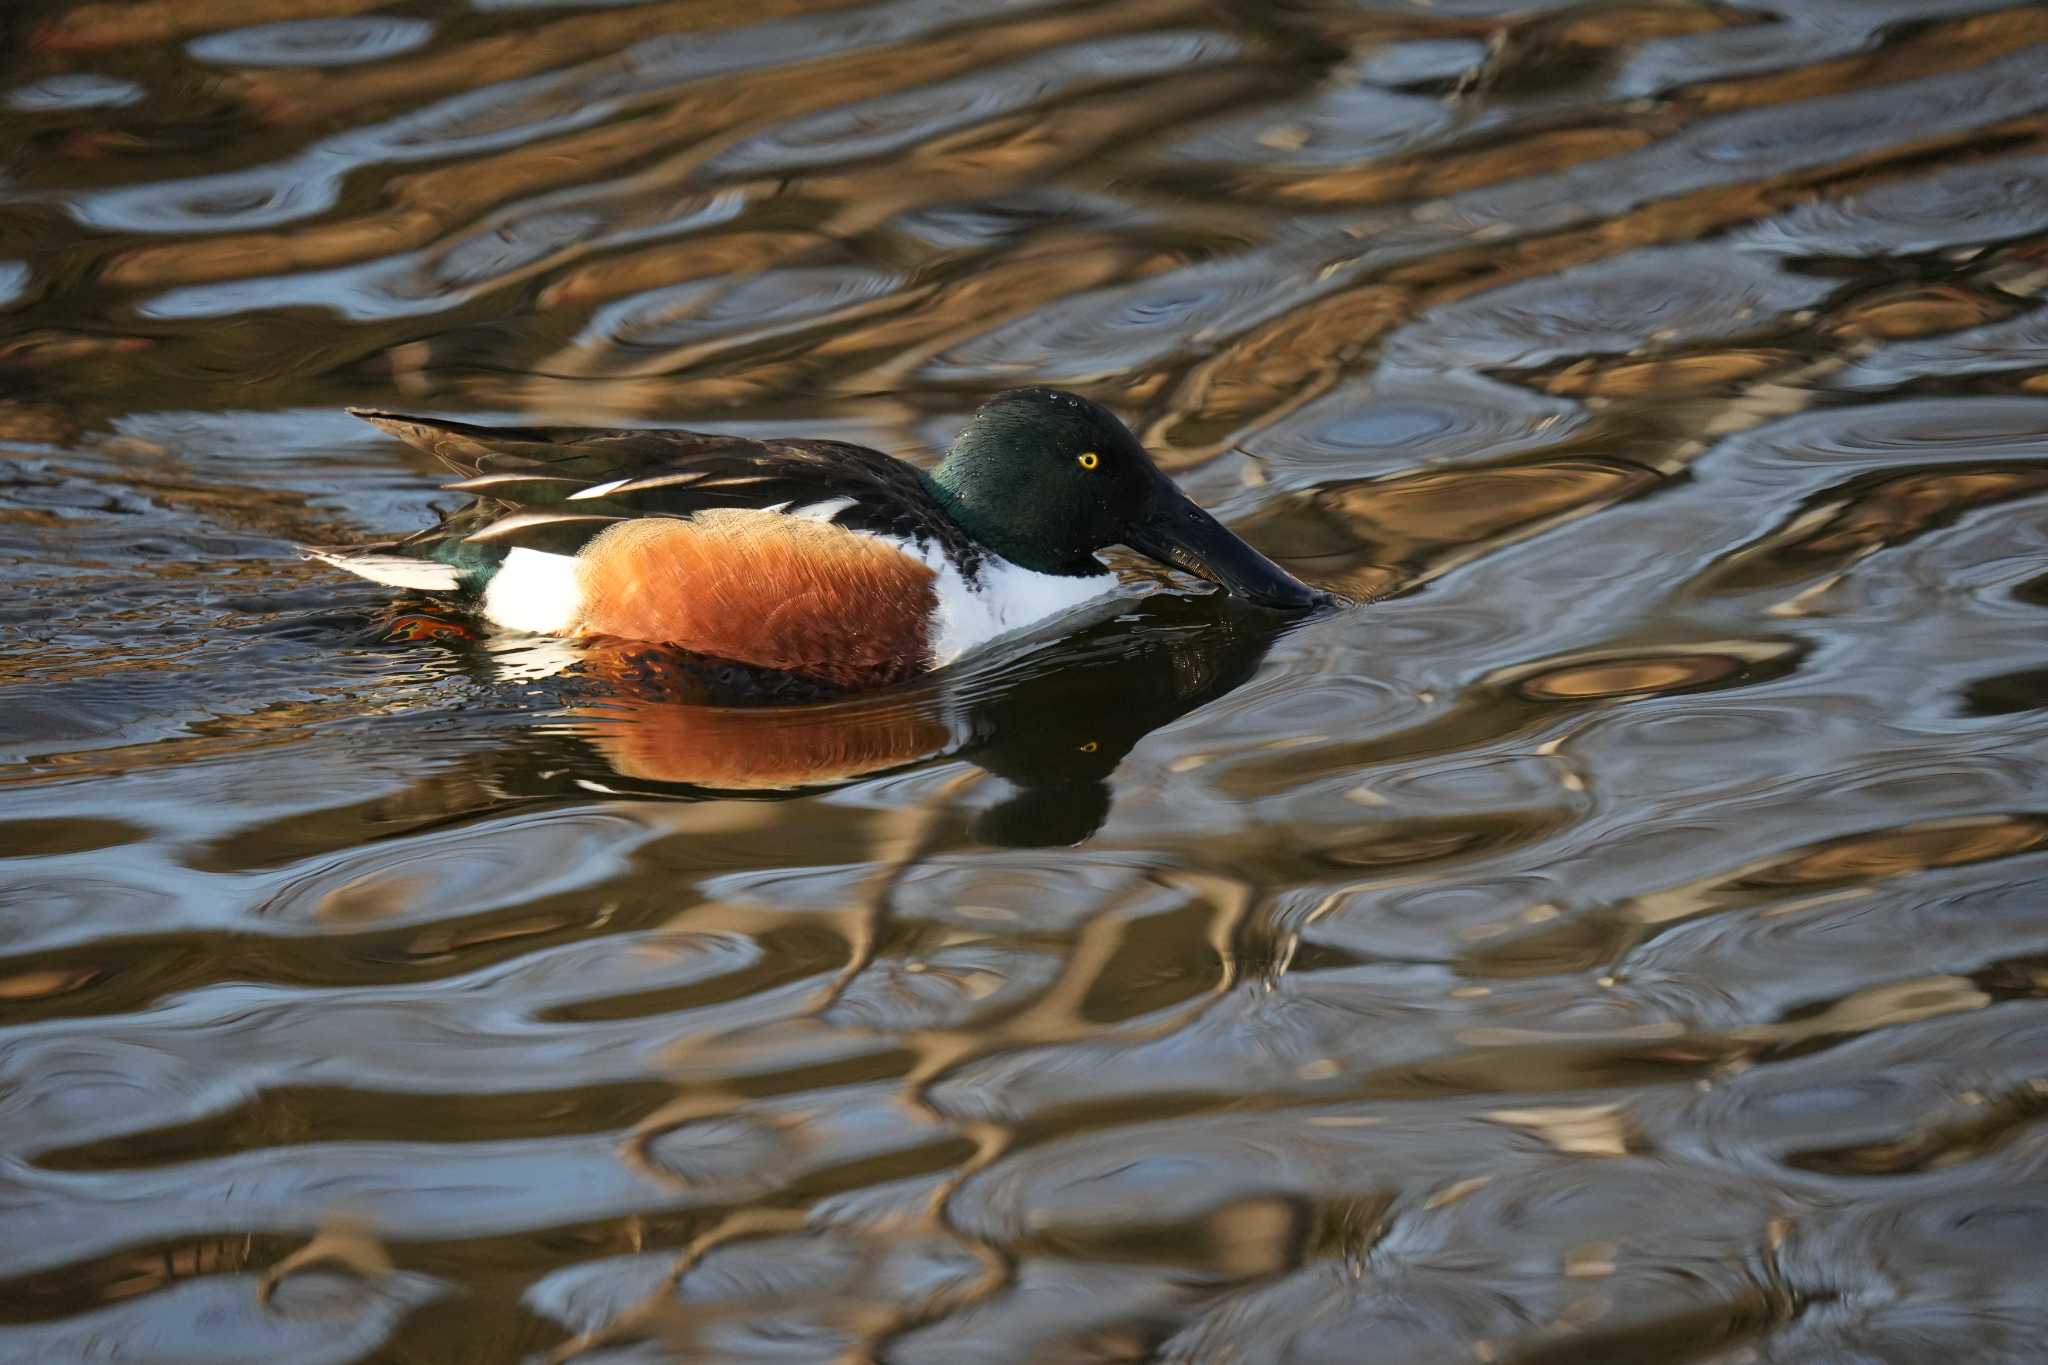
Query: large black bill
x=1180, y=534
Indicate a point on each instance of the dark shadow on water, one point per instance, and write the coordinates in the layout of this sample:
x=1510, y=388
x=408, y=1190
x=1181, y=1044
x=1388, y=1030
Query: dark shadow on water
x=556, y=720
x=1052, y=721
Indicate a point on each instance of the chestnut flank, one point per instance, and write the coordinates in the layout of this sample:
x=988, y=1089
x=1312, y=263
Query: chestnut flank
x=765, y=589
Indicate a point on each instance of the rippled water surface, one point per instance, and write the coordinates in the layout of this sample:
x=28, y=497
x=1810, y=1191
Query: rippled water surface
x=1622, y=936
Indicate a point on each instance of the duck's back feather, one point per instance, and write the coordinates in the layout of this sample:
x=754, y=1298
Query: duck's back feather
x=555, y=489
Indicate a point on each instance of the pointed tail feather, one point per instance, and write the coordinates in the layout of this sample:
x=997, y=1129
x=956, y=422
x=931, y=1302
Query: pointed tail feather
x=380, y=564
x=459, y=445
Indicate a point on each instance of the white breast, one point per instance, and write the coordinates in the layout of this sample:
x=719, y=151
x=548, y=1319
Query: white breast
x=1003, y=598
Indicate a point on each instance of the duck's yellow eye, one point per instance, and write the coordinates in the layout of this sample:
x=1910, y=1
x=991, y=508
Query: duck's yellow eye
x=1088, y=459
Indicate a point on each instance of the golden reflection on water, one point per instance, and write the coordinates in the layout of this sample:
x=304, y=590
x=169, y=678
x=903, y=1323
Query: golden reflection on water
x=1617, y=936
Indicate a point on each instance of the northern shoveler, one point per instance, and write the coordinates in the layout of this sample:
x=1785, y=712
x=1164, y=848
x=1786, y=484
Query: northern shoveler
x=816, y=558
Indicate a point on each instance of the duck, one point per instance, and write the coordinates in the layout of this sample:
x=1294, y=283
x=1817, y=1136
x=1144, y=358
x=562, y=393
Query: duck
x=813, y=558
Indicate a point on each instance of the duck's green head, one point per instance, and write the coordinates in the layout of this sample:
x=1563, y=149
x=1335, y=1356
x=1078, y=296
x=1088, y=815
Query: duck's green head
x=1046, y=479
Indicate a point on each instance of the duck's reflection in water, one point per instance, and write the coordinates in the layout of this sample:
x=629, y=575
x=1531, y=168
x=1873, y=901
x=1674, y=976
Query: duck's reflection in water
x=1052, y=721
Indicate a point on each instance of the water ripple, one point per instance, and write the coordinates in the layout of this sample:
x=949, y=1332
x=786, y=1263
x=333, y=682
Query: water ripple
x=314, y=42
x=1984, y=201
x=891, y=123
x=79, y=90
x=1613, y=932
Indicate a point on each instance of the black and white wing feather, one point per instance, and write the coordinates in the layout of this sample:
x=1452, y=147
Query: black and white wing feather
x=555, y=488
